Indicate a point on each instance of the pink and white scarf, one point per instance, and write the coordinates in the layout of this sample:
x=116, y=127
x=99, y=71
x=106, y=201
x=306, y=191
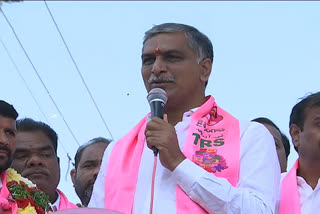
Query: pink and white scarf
x=213, y=143
x=64, y=202
x=289, y=197
x=7, y=203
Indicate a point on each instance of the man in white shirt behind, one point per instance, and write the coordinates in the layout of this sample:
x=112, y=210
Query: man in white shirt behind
x=36, y=158
x=300, y=188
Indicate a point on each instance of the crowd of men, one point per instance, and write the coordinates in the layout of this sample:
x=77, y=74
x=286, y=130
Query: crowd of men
x=206, y=160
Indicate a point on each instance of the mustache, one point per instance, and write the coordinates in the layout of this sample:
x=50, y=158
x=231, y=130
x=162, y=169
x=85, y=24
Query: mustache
x=161, y=79
x=6, y=149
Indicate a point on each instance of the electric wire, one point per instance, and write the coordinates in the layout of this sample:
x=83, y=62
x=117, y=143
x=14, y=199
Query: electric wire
x=79, y=73
x=37, y=73
x=29, y=89
x=37, y=103
x=31, y=93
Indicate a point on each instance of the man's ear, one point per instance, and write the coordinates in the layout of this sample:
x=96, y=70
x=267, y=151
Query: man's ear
x=73, y=175
x=295, y=135
x=206, y=66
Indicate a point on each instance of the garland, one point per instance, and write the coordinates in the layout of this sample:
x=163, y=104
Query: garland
x=29, y=198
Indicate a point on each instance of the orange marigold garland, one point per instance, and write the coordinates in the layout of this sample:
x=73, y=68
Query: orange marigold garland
x=29, y=198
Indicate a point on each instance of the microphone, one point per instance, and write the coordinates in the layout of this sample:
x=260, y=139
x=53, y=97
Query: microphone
x=157, y=99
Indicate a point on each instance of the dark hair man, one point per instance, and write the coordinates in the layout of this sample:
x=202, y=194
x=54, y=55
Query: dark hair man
x=300, y=188
x=8, y=116
x=209, y=162
x=278, y=137
x=286, y=144
x=87, y=164
x=36, y=159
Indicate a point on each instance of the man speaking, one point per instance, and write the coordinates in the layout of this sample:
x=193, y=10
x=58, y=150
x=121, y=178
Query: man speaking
x=208, y=161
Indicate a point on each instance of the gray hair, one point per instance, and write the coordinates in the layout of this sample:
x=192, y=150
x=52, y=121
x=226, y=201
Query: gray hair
x=197, y=41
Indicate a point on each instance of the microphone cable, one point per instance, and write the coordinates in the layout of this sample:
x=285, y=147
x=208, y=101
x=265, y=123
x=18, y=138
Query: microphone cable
x=153, y=181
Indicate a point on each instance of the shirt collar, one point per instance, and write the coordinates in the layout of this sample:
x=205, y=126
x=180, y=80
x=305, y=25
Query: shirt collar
x=55, y=205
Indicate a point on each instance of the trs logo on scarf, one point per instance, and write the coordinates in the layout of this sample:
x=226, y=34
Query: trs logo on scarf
x=208, y=159
x=209, y=136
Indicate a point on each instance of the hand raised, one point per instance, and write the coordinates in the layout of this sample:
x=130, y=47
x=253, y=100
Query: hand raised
x=162, y=135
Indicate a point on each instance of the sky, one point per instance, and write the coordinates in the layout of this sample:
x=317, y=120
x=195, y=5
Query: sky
x=266, y=58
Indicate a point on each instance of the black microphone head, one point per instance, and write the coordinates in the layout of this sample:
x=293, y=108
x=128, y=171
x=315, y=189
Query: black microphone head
x=157, y=94
x=157, y=99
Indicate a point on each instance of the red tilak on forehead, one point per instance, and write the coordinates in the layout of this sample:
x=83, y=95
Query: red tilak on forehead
x=156, y=51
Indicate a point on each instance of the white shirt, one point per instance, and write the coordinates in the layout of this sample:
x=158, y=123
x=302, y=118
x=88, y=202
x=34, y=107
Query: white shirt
x=256, y=192
x=55, y=205
x=309, y=198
